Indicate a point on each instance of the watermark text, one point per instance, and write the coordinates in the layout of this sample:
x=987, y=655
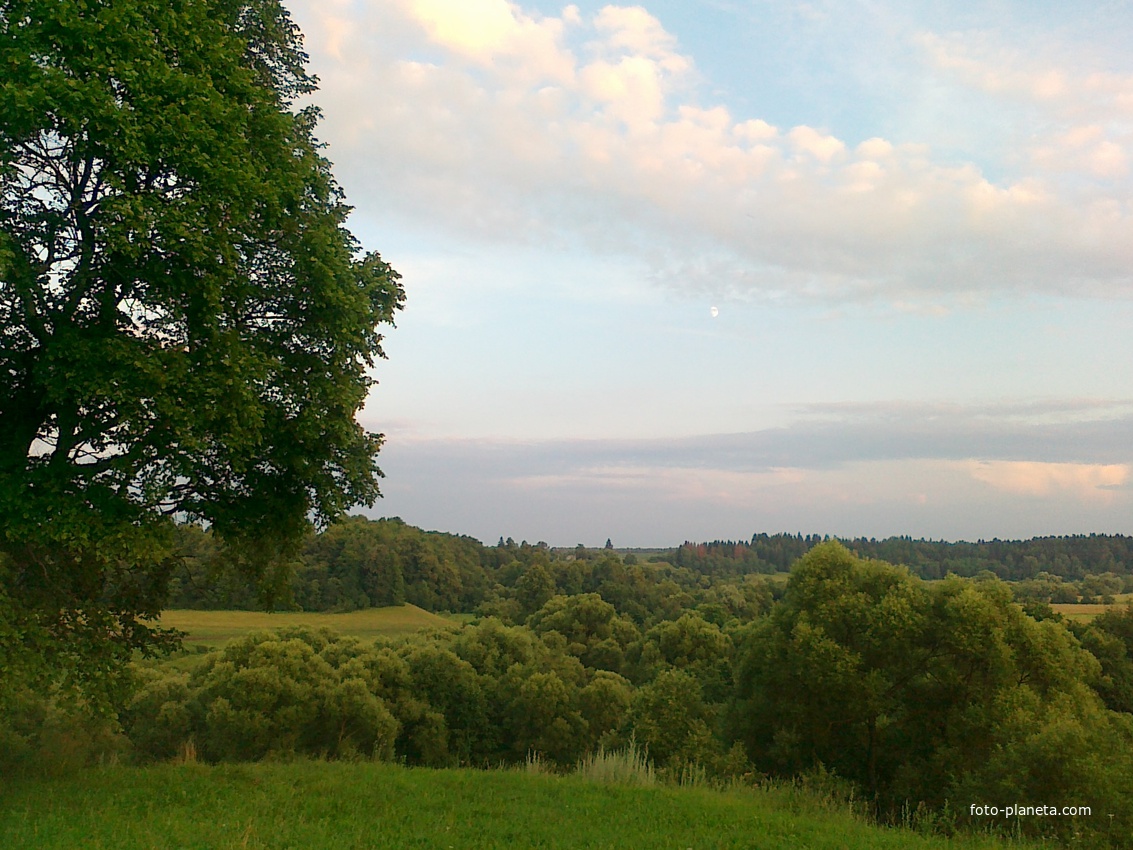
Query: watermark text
x=1020, y=811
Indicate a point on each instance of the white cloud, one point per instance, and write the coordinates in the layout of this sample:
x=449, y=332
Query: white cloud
x=631, y=89
x=483, y=117
x=637, y=32
x=488, y=32
x=1085, y=126
x=1019, y=468
x=998, y=71
x=477, y=29
x=1033, y=478
x=819, y=145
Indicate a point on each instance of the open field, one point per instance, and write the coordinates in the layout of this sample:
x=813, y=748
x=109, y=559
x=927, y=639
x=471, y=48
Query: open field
x=215, y=628
x=315, y=805
x=1082, y=611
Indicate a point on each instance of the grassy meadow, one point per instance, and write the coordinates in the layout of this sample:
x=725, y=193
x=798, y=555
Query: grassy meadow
x=1080, y=611
x=1085, y=611
x=315, y=805
x=215, y=628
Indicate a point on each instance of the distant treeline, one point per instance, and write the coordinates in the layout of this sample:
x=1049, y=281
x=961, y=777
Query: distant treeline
x=1071, y=558
x=361, y=563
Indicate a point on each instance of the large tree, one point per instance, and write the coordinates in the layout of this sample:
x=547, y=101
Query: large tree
x=186, y=324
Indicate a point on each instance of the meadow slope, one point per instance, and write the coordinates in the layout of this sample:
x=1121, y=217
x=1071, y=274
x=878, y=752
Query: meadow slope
x=215, y=628
x=315, y=805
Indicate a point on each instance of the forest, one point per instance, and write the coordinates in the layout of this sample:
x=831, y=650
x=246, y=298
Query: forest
x=1071, y=558
x=358, y=563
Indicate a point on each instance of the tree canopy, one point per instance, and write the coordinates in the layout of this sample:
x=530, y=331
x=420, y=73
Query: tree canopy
x=907, y=688
x=186, y=324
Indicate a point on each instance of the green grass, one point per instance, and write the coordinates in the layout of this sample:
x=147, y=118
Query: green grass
x=216, y=628
x=314, y=805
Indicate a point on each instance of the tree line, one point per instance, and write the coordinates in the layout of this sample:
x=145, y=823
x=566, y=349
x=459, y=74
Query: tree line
x=360, y=563
x=1071, y=558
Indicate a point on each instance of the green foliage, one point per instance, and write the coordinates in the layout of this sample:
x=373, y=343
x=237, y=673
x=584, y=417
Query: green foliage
x=1110, y=638
x=1066, y=567
x=829, y=664
x=534, y=588
x=158, y=718
x=696, y=646
x=452, y=688
x=593, y=630
x=918, y=698
x=923, y=692
x=281, y=694
x=1066, y=752
x=356, y=563
x=53, y=735
x=353, y=564
x=543, y=714
x=671, y=719
x=205, y=575
x=604, y=704
x=185, y=326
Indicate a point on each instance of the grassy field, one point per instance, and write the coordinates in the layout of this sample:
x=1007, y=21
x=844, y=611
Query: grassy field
x=216, y=628
x=1080, y=611
x=1083, y=611
x=315, y=805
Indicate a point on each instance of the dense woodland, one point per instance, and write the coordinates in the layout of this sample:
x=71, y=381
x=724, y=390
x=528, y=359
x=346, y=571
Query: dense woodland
x=359, y=563
x=1070, y=558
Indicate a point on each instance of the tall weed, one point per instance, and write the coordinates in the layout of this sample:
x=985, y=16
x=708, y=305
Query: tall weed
x=629, y=765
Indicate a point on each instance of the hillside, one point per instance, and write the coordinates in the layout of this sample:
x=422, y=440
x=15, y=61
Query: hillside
x=337, y=805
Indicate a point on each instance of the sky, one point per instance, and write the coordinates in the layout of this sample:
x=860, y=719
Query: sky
x=697, y=269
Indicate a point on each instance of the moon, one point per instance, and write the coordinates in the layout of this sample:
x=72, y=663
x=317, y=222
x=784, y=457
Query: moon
x=713, y=312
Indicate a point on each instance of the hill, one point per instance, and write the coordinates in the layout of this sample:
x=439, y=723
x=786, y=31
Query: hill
x=338, y=805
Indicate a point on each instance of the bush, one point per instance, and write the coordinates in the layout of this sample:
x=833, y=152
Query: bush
x=52, y=735
x=265, y=695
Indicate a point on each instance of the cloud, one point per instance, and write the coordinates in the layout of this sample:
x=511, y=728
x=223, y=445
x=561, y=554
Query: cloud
x=1011, y=469
x=1085, y=130
x=500, y=123
x=642, y=505
x=666, y=483
x=999, y=71
x=948, y=471
x=488, y=32
x=1029, y=478
x=822, y=147
x=991, y=439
